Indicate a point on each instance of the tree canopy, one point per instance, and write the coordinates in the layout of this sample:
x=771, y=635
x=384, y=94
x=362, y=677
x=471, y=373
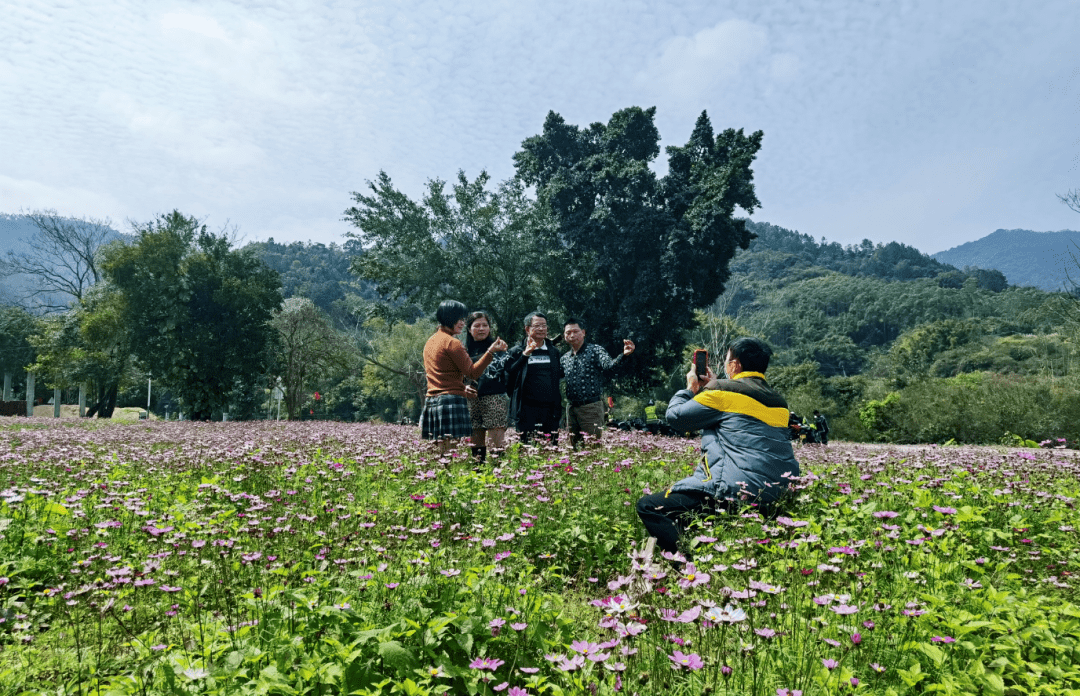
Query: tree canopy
x=483, y=247
x=647, y=251
x=309, y=347
x=198, y=311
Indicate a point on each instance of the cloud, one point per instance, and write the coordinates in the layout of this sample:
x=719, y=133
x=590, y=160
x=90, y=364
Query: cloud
x=25, y=194
x=193, y=139
x=693, y=67
x=247, y=57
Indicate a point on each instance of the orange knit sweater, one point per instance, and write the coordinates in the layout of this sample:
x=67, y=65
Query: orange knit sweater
x=446, y=364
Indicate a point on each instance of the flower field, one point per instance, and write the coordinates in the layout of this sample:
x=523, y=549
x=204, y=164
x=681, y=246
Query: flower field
x=328, y=558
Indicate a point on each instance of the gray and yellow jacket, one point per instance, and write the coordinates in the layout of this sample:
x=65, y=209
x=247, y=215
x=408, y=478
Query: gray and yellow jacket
x=744, y=438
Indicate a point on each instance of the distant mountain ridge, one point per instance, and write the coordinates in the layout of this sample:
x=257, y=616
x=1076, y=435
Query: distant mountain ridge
x=1027, y=258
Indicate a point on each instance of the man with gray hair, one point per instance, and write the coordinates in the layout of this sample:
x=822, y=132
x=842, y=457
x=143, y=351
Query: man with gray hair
x=533, y=373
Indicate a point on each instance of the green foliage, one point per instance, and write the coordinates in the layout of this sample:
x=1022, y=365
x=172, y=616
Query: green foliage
x=605, y=198
x=393, y=379
x=316, y=271
x=916, y=351
x=881, y=416
x=309, y=347
x=484, y=248
x=198, y=312
x=16, y=327
x=976, y=408
x=90, y=344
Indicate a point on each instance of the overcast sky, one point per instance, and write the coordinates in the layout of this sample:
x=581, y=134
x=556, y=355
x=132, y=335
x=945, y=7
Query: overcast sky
x=929, y=123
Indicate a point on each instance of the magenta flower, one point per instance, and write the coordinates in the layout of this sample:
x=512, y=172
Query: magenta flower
x=517, y=691
x=942, y=639
x=681, y=660
x=830, y=664
x=945, y=510
x=886, y=514
x=788, y=692
x=491, y=664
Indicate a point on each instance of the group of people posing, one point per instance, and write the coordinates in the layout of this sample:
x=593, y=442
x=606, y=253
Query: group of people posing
x=479, y=388
x=747, y=456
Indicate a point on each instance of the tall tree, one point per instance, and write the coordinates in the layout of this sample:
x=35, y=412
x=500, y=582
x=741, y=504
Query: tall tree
x=62, y=260
x=88, y=344
x=16, y=352
x=646, y=251
x=309, y=346
x=199, y=312
x=482, y=247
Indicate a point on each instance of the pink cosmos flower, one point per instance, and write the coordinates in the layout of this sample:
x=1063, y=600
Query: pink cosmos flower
x=942, y=639
x=584, y=647
x=517, y=691
x=491, y=664
x=830, y=664
x=692, y=577
x=690, y=662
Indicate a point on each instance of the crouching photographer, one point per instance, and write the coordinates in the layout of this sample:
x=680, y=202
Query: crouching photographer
x=746, y=454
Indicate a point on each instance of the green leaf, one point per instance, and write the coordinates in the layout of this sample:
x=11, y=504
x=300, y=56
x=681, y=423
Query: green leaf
x=396, y=655
x=994, y=683
x=933, y=652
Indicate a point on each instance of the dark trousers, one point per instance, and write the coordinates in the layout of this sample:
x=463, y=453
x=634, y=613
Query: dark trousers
x=663, y=514
x=543, y=417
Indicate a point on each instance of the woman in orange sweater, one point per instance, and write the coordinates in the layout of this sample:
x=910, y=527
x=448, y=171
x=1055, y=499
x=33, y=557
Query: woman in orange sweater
x=446, y=363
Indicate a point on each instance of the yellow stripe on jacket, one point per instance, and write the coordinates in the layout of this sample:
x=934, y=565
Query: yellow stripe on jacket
x=733, y=402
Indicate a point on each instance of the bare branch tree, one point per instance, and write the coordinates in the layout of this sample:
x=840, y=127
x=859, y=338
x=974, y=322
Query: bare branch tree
x=1071, y=199
x=62, y=258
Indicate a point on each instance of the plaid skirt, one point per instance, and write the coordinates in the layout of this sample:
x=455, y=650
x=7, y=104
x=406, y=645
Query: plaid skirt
x=445, y=416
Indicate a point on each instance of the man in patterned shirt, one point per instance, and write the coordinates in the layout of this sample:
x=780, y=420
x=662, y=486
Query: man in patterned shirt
x=584, y=366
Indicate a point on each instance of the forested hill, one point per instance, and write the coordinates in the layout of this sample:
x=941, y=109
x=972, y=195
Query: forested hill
x=785, y=256
x=315, y=271
x=1036, y=259
x=840, y=306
